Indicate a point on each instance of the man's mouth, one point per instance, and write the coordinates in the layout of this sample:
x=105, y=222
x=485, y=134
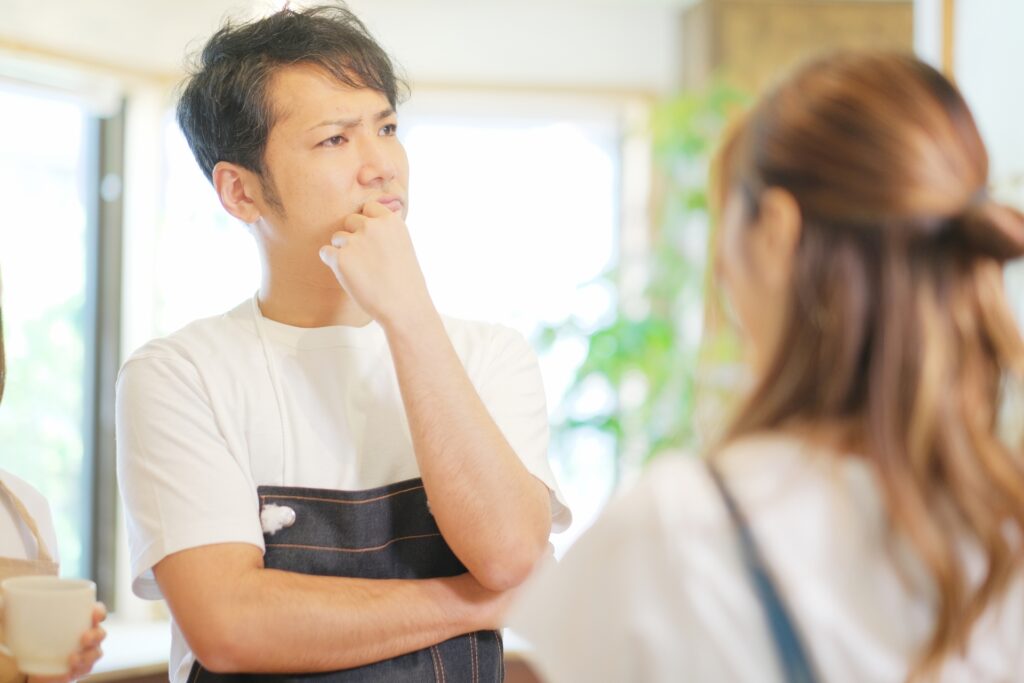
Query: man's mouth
x=394, y=204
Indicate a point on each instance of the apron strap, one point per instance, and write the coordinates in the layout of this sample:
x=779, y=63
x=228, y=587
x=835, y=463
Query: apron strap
x=29, y=520
x=279, y=471
x=792, y=654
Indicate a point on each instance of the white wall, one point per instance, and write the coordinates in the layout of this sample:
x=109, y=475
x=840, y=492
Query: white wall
x=595, y=44
x=989, y=67
x=602, y=45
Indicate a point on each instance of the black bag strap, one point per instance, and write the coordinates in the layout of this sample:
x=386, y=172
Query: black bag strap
x=792, y=655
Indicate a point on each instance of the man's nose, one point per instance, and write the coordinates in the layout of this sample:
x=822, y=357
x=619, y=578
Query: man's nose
x=378, y=163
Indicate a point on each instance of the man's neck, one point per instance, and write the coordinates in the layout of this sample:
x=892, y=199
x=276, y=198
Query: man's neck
x=309, y=305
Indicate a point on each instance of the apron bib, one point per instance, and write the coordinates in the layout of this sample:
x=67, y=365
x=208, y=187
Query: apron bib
x=11, y=567
x=381, y=533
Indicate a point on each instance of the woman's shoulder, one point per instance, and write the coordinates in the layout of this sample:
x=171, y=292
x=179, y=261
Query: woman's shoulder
x=683, y=481
x=679, y=488
x=32, y=499
x=34, y=503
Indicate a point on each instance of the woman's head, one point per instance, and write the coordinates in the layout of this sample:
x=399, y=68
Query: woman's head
x=863, y=256
x=856, y=153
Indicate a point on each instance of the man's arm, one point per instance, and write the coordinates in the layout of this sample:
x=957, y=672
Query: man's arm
x=494, y=514
x=238, y=616
x=193, y=516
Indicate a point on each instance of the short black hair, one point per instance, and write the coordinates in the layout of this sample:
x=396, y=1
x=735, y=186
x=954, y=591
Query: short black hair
x=224, y=110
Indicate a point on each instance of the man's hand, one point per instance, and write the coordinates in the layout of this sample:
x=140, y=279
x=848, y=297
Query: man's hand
x=88, y=652
x=373, y=258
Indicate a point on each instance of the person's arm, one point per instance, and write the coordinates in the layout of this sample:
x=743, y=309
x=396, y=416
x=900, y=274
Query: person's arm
x=238, y=616
x=193, y=517
x=492, y=511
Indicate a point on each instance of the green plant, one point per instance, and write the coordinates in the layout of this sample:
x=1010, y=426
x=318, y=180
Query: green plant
x=647, y=353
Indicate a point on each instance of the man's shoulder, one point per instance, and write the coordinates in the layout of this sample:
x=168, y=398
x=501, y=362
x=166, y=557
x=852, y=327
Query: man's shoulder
x=217, y=335
x=481, y=335
x=467, y=326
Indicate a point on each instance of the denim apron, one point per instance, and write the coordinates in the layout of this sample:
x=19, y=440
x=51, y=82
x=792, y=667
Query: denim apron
x=793, y=656
x=381, y=533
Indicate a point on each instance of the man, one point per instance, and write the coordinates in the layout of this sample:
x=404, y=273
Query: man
x=245, y=440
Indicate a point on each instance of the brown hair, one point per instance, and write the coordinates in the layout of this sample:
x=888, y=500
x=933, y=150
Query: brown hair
x=897, y=321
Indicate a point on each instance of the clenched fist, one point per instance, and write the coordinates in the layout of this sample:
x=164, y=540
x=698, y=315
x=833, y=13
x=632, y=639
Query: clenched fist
x=373, y=258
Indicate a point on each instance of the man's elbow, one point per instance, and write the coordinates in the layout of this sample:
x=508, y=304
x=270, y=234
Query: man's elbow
x=510, y=568
x=220, y=647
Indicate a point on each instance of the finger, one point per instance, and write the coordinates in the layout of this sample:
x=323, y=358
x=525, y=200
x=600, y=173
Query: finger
x=89, y=659
x=354, y=222
x=375, y=210
x=92, y=637
x=340, y=239
x=99, y=613
x=77, y=664
x=329, y=255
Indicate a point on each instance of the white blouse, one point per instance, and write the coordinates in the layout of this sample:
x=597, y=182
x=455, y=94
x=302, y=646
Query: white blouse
x=16, y=540
x=656, y=590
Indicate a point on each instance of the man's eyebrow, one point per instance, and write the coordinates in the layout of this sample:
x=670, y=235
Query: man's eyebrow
x=352, y=123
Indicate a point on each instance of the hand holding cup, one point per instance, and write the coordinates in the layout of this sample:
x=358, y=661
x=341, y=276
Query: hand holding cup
x=51, y=626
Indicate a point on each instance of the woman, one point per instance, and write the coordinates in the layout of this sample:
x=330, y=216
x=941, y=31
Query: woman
x=28, y=546
x=862, y=520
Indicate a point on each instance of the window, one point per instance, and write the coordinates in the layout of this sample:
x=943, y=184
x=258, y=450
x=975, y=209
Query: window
x=45, y=241
x=208, y=262
x=515, y=211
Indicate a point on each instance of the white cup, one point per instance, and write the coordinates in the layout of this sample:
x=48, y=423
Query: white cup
x=44, y=619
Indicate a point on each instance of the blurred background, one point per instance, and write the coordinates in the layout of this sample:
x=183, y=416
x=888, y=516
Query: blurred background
x=559, y=156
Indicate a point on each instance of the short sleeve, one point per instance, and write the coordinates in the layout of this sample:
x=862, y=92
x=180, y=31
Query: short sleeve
x=181, y=485
x=513, y=392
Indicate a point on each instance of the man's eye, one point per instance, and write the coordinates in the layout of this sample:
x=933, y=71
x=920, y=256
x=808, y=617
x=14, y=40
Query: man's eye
x=389, y=129
x=333, y=141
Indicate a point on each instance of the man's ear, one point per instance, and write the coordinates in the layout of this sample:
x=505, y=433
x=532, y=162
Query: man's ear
x=237, y=189
x=780, y=223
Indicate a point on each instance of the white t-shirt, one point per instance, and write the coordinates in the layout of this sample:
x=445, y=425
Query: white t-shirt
x=236, y=401
x=16, y=539
x=656, y=590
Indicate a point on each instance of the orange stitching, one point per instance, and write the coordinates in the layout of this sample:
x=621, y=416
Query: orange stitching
x=438, y=676
x=339, y=502
x=349, y=550
x=501, y=654
x=472, y=652
x=440, y=660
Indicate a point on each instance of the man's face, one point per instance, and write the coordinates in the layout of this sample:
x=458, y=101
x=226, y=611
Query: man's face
x=331, y=150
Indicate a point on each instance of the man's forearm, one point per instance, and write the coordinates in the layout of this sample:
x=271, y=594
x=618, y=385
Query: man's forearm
x=270, y=621
x=356, y=621
x=494, y=514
